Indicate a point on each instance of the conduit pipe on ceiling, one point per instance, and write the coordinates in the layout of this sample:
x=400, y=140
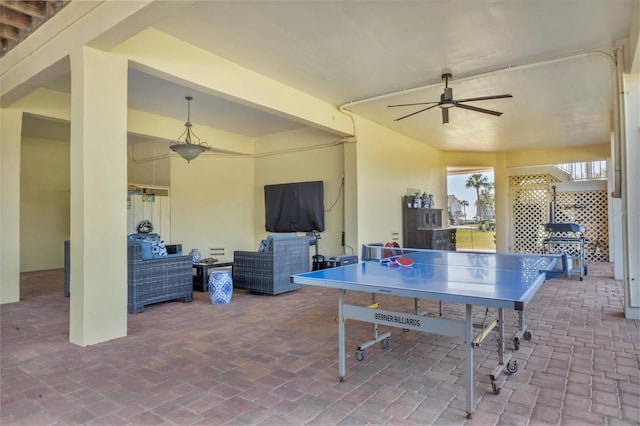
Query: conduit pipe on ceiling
x=230, y=155
x=485, y=74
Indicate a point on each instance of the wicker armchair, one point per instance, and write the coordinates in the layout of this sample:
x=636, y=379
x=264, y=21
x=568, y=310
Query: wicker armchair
x=268, y=272
x=157, y=280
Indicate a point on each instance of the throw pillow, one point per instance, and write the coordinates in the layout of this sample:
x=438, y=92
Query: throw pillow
x=158, y=249
x=151, y=246
x=145, y=249
x=263, y=247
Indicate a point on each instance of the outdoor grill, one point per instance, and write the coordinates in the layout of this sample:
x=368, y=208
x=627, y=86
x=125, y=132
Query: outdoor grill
x=564, y=228
x=567, y=238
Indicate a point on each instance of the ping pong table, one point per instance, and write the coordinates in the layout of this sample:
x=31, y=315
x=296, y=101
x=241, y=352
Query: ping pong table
x=489, y=280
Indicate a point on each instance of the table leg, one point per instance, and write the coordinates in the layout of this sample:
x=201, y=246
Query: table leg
x=341, y=336
x=469, y=361
x=374, y=300
x=500, y=336
x=521, y=321
x=522, y=331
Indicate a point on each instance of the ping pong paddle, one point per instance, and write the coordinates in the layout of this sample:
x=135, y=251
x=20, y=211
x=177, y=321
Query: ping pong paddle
x=404, y=261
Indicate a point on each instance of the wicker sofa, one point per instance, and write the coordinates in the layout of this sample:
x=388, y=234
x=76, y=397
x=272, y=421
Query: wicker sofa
x=268, y=272
x=157, y=280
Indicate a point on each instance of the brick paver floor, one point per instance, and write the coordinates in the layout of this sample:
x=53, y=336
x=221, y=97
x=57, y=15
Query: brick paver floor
x=273, y=361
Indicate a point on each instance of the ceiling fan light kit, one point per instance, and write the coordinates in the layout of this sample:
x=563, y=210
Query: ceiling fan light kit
x=446, y=102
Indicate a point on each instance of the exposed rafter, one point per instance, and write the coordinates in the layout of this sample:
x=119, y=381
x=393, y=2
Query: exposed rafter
x=30, y=8
x=18, y=19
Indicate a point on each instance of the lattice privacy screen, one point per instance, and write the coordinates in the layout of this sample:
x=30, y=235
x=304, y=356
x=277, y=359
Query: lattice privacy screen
x=530, y=201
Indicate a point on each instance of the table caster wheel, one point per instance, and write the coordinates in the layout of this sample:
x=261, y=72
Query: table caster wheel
x=385, y=343
x=512, y=367
x=527, y=335
x=495, y=386
x=359, y=355
x=516, y=344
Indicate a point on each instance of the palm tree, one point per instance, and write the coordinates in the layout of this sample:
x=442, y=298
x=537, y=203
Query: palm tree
x=478, y=181
x=487, y=199
x=464, y=204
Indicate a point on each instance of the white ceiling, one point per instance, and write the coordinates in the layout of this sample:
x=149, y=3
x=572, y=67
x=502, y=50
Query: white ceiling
x=348, y=51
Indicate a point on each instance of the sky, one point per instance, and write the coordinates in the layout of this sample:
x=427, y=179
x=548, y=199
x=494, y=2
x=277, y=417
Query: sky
x=455, y=186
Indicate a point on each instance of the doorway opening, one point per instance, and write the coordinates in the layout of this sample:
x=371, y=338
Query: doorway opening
x=471, y=207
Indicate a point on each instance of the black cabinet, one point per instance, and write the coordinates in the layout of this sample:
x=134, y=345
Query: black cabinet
x=422, y=228
x=435, y=239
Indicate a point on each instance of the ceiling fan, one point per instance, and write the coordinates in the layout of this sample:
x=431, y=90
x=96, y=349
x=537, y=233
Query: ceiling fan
x=447, y=101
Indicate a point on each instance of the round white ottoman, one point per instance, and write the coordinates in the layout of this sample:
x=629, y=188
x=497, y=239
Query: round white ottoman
x=220, y=287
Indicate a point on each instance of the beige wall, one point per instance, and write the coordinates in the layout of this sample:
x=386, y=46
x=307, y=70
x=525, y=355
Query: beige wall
x=46, y=103
x=44, y=203
x=212, y=204
x=211, y=197
x=384, y=164
x=148, y=163
x=300, y=156
x=558, y=155
x=387, y=164
x=216, y=200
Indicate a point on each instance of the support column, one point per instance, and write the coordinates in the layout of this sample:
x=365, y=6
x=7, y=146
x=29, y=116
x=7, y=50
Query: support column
x=98, y=196
x=350, y=197
x=503, y=216
x=631, y=196
x=10, y=140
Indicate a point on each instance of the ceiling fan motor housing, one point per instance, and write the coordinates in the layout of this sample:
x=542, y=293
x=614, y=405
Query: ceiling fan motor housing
x=446, y=99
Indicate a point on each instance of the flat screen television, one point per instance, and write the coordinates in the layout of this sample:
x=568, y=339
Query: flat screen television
x=294, y=207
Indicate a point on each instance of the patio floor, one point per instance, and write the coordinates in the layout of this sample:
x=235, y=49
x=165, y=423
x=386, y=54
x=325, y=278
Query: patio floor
x=273, y=361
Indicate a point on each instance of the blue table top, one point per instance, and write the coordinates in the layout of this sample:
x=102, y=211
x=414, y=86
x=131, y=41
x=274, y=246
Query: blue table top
x=482, y=260
x=485, y=279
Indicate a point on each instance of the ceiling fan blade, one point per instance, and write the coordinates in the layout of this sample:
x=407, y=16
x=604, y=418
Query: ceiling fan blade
x=445, y=115
x=484, y=98
x=417, y=112
x=419, y=103
x=472, y=108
